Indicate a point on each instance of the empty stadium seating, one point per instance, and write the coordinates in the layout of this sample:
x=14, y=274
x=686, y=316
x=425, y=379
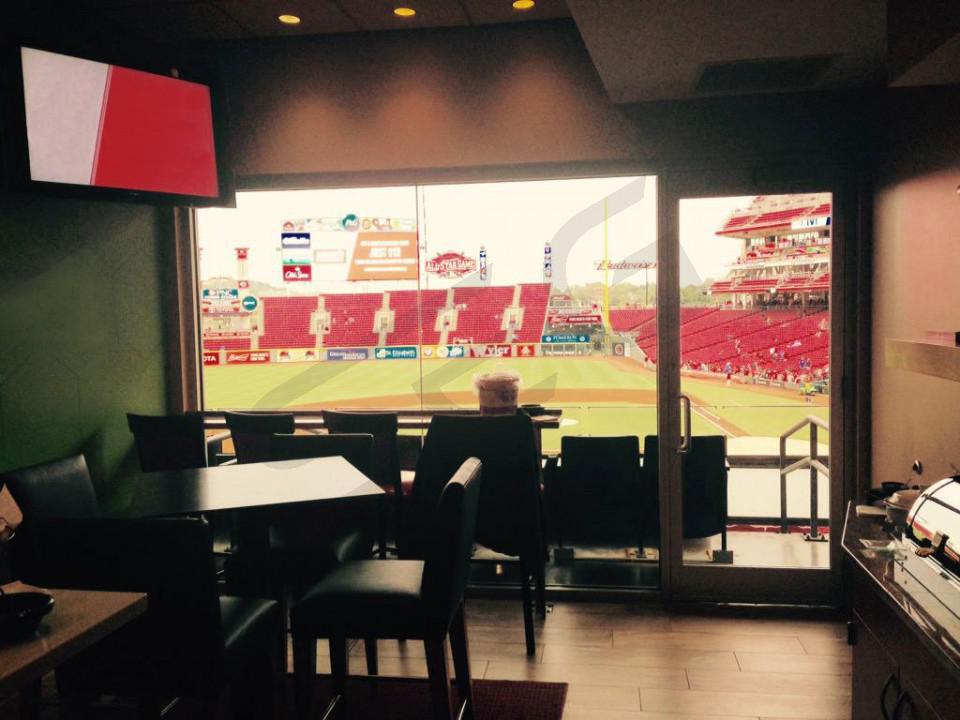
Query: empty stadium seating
x=534, y=300
x=744, y=338
x=480, y=314
x=351, y=319
x=286, y=322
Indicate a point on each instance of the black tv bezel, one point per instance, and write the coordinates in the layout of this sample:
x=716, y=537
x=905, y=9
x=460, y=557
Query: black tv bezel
x=14, y=147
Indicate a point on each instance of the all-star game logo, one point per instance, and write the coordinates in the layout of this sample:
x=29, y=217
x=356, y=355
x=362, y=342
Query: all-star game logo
x=451, y=264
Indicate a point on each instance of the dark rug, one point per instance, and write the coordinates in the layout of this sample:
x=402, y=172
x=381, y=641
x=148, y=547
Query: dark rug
x=409, y=699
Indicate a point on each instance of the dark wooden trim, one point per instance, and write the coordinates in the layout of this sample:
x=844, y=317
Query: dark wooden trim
x=183, y=331
x=447, y=176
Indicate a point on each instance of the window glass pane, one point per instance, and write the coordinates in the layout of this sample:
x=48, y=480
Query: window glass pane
x=295, y=290
x=755, y=353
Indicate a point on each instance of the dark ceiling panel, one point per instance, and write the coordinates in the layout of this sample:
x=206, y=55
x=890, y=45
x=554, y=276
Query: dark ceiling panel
x=178, y=22
x=378, y=14
x=502, y=11
x=318, y=17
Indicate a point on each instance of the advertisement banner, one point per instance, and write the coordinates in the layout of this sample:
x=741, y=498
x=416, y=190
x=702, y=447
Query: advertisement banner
x=297, y=355
x=384, y=256
x=220, y=301
x=525, y=351
x=488, y=351
x=297, y=272
x=211, y=357
x=396, y=353
x=299, y=240
x=444, y=351
x=248, y=357
x=567, y=338
x=348, y=354
x=619, y=349
x=562, y=319
x=452, y=265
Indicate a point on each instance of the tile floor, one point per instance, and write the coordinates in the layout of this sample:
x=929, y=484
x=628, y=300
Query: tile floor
x=635, y=662
x=638, y=662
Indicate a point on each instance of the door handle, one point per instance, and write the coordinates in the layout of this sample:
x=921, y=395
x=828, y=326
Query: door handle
x=687, y=426
x=898, y=706
x=883, y=696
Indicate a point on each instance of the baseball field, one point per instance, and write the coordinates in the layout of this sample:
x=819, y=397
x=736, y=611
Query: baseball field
x=598, y=395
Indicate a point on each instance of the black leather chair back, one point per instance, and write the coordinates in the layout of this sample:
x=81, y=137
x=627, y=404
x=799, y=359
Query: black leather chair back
x=704, y=470
x=252, y=433
x=383, y=427
x=705, y=487
x=57, y=489
x=169, y=442
x=356, y=448
x=178, y=644
x=597, y=497
x=509, y=516
x=447, y=566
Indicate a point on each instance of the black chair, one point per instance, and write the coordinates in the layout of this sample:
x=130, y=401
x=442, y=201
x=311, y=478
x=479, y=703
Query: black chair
x=704, y=476
x=510, y=519
x=252, y=433
x=189, y=643
x=595, y=495
x=302, y=544
x=386, y=470
x=169, y=442
x=58, y=489
x=399, y=599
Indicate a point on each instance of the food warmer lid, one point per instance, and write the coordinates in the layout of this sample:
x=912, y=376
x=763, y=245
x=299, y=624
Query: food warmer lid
x=934, y=522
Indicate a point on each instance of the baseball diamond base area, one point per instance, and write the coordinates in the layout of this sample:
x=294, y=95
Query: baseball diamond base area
x=601, y=395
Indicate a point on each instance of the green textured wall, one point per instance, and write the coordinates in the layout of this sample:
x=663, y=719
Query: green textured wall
x=81, y=328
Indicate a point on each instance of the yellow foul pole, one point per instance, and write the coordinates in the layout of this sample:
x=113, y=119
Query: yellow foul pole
x=606, y=268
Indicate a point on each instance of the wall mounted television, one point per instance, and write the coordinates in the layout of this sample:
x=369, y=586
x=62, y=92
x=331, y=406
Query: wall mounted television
x=82, y=127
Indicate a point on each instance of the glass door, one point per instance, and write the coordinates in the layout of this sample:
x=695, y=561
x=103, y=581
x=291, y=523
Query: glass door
x=746, y=371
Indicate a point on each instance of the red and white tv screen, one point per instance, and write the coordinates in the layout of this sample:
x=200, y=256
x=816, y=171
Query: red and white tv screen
x=89, y=123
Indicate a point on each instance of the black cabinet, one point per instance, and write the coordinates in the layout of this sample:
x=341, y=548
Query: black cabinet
x=896, y=676
x=876, y=679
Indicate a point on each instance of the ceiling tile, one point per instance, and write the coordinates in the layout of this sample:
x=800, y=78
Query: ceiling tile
x=260, y=18
x=378, y=14
x=502, y=11
x=176, y=21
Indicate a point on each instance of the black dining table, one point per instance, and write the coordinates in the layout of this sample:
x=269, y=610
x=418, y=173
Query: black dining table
x=252, y=486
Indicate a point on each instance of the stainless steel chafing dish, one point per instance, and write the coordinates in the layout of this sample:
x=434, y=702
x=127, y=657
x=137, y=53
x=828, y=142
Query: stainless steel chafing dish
x=933, y=526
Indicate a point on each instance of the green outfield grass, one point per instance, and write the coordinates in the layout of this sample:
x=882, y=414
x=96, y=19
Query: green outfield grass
x=604, y=396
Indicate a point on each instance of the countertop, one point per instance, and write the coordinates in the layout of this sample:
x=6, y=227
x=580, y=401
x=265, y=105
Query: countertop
x=914, y=587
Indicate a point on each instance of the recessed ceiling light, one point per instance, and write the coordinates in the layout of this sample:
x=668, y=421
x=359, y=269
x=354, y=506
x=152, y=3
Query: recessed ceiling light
x=289, y=19
x=523, y=4
x=404, y=12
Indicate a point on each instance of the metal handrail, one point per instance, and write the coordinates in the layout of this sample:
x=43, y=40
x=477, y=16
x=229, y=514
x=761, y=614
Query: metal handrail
x=811, y=461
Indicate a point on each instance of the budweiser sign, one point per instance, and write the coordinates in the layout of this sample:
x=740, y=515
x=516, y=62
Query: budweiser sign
x=588, y=319
x=301, y=272
x=625, y=265
x=451, y=265
x=252, y=356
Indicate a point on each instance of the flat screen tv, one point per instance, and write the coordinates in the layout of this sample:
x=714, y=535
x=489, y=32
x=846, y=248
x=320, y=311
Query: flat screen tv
x=82, y=125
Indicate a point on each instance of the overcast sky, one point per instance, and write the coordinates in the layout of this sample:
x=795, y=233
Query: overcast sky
x=512, y=220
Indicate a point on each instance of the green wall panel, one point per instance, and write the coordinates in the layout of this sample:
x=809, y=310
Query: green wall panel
x=81, y=328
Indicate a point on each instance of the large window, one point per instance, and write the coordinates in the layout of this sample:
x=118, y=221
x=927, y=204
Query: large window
x=399, y=297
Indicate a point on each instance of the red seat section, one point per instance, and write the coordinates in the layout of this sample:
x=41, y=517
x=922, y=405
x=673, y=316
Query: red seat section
x=773, y=340
x=351, y=319
x=480, y=314
x=534, y=300
x=286, y=322
x=624, y=319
